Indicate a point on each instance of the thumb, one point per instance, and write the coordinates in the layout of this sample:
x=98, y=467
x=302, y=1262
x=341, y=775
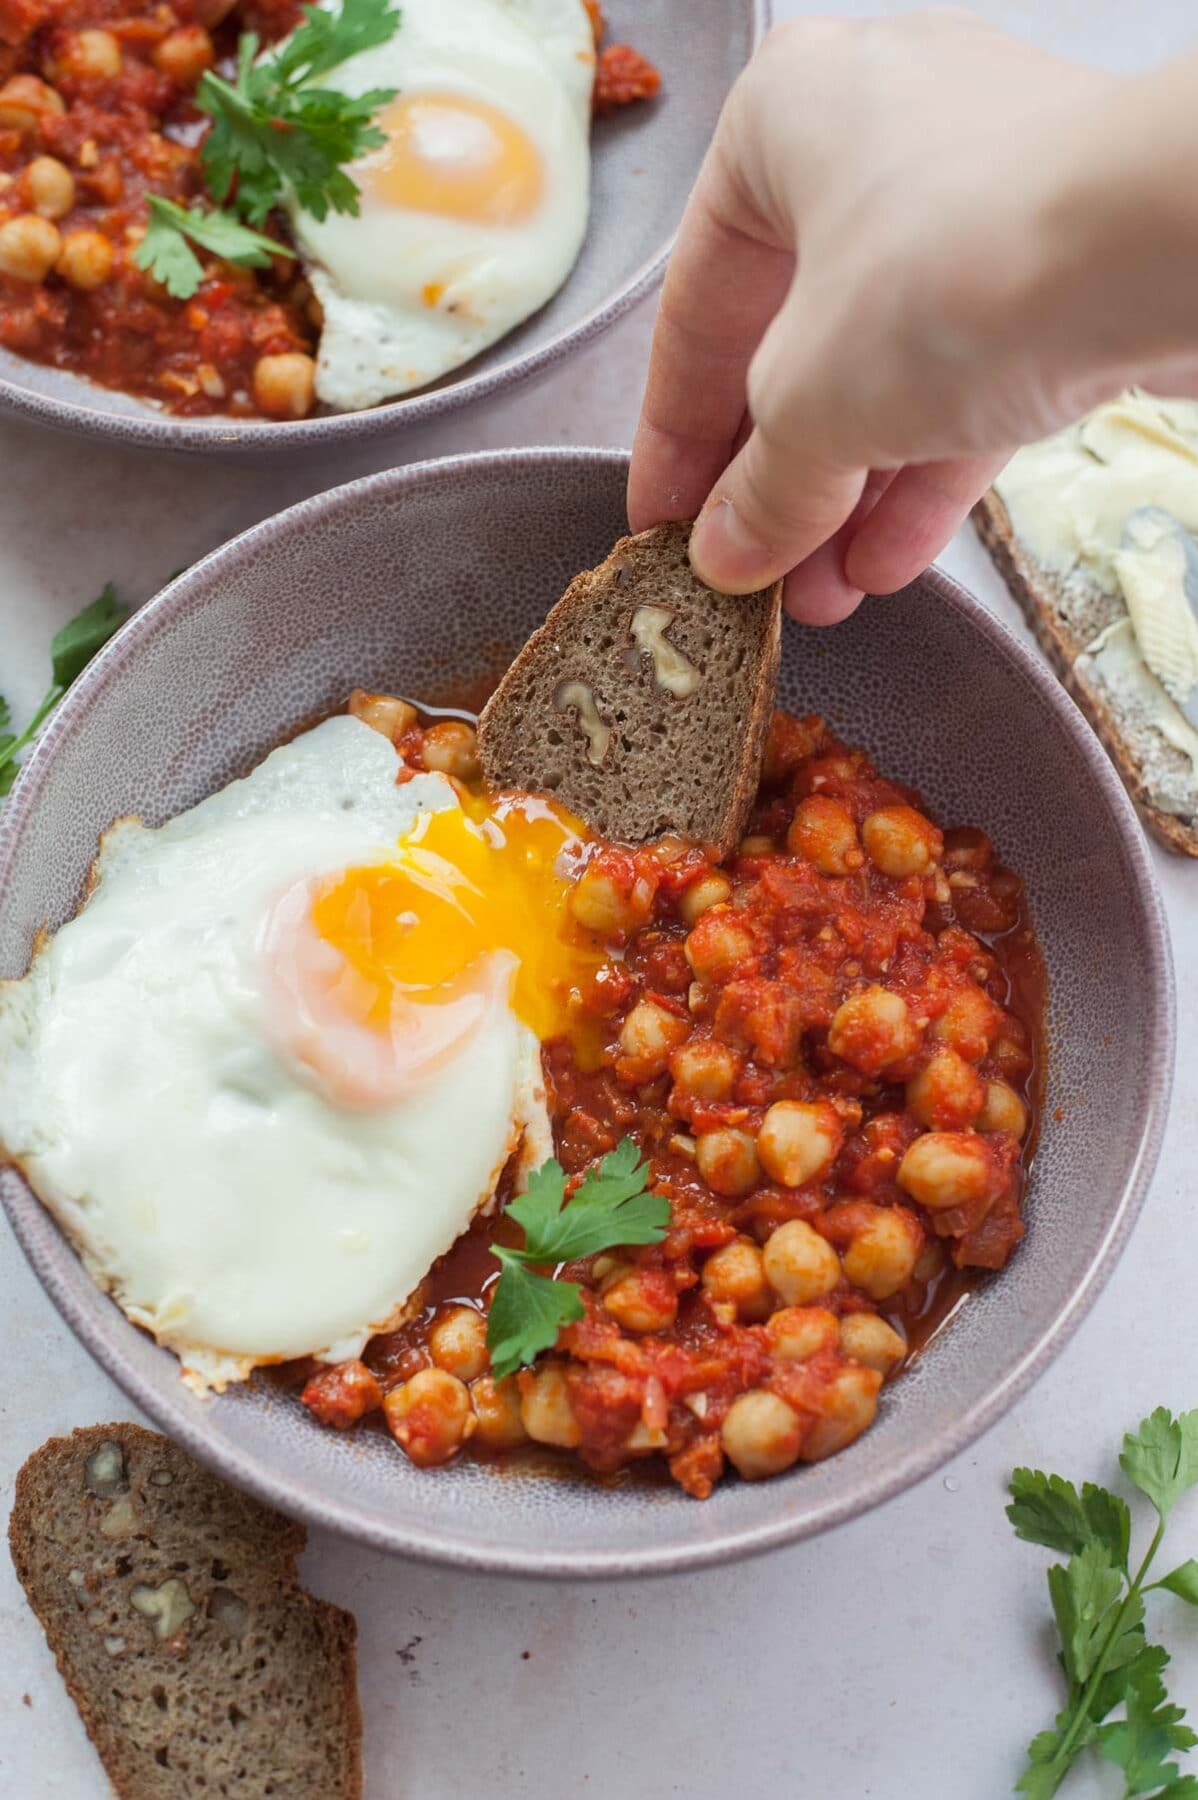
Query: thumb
x=771, y=508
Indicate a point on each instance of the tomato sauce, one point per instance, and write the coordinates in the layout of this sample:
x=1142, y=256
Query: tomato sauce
x=851, y=970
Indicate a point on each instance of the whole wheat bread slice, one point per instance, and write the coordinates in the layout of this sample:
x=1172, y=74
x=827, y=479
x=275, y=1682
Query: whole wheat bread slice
x=644, y=700
x=199, y=1666
x=1066, y=616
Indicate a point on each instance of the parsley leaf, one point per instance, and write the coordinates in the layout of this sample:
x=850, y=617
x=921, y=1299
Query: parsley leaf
x=1098, y=1605
x=527, y=1312
x=1182, y=1581
x=272, y=130
x=610, y=1206
x=1047, y=1510
x=165, y=252
x=71, y=649
x=1141, y=1742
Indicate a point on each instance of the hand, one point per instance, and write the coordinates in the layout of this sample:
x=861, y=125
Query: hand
x=966, y=210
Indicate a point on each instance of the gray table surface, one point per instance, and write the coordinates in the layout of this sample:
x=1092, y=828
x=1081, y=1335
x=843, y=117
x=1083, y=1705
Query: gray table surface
x=905, y=1654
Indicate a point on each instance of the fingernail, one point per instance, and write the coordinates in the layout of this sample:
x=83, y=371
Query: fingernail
x=726, y=554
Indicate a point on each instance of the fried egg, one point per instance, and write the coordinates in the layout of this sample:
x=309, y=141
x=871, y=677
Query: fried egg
x=282, y=1055
x=474, y=208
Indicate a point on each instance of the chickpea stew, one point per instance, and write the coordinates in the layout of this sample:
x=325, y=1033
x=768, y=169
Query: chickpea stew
x=98, y=115
x=827, y=1049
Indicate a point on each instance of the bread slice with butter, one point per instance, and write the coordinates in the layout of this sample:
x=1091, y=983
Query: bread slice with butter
x=1073, y=524
x=198, y=1664
x=644, y=700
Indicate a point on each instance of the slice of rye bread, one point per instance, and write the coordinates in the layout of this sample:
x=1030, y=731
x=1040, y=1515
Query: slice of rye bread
x=1066, y=616
x=642, y=722
x=199, y=1666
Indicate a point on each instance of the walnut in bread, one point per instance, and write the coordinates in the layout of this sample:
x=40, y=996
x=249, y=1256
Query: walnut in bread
x=170, y=1601
x=643, y=702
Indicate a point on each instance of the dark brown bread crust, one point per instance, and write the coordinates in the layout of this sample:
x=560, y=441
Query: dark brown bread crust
x=1032, y=588
x=690, y=766
x=256, y=1688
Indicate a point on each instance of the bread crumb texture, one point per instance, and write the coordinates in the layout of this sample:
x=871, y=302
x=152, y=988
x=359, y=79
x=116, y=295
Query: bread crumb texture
x=198, y=1664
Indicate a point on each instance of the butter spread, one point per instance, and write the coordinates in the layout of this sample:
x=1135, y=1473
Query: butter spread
x=1097, y=499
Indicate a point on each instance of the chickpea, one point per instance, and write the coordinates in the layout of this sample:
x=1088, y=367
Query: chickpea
x=850, y=1407
x=705, y=1069
x=900, y=841
x=602, y=904
x=710, y=890
x=545, y=1409
x=49, y=187
x=85, y=260
x=798, y=1141
x=184, y=54
x=28, y=247
x=382, y=712
x=756, y=844
x=873, y=1029
x=451, y=748
x=883, y=1251
x=717, y=946
x=25, y=101
x=497, y=1409
x=458, y=1342
x=762, y=1434
x=648, y=1035
x=797, y=1333
x=969, y=1023
x=823, y=831
x=643, y=1300
x=430, y=1416
x=285, y=385
x=947, y=1094
x=1003, y=1110
x=91, y=56
x=870, y=1340
x=800, y=1265
x=945, y=1168
x=728, y=1161
x=736, y=1272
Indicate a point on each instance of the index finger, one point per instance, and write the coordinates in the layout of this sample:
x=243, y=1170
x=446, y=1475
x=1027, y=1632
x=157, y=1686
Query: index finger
x=726, y=279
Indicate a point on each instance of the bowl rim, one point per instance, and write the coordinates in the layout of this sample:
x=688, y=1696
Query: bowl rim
x=431, y=1542
x=262, y=440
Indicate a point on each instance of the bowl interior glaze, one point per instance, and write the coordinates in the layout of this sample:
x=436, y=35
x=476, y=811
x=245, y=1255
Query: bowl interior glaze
x=419, y=579
x=644, y=162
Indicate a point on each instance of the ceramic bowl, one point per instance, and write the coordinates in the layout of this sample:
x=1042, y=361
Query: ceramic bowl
x=422, y=578
x=645, y=160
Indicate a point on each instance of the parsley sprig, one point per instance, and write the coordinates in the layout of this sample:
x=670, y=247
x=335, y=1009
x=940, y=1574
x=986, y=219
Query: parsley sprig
x=272, y=131
x=611, y=1206
x=71, y=649
x=1098, y=1604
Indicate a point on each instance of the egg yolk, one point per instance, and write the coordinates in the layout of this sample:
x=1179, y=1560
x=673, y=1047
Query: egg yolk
x=380, y=974
x=456, y=156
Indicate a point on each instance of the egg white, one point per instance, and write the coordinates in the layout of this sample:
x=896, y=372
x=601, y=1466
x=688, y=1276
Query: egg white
x=373, y=274
x=226, y=1201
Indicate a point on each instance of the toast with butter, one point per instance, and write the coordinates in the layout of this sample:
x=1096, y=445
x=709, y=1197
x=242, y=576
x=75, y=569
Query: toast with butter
x=644, y=700
x=1088, y=530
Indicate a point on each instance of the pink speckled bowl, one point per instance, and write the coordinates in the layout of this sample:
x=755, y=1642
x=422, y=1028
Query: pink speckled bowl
x=416, y=579
x=644, y=162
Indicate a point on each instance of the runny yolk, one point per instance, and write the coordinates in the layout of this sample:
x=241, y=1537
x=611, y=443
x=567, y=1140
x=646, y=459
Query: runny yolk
x=459, y=889
x=456, y=156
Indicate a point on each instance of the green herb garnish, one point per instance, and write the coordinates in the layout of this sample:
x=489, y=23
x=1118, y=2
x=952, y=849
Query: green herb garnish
x=271, y=133
x=71, y=649
x=1098, y=1605
x=611, y=1206
x=168, y=256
